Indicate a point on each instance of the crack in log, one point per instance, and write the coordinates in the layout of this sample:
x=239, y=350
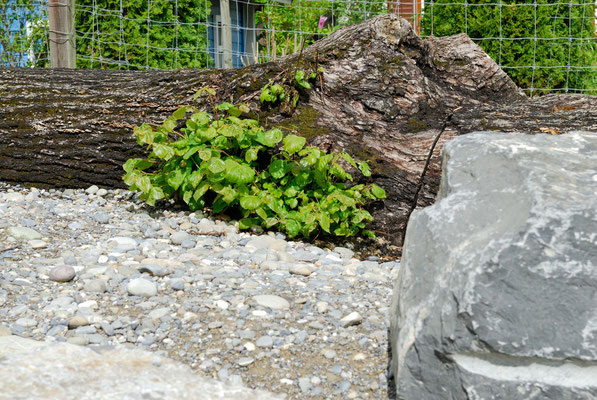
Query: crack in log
x=413, y=204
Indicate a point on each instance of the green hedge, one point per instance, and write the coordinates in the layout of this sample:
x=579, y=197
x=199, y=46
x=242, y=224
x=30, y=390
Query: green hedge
x=563, y=49
x=129, y=43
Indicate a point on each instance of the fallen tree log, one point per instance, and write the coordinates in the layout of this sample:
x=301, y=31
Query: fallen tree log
x=386, y=96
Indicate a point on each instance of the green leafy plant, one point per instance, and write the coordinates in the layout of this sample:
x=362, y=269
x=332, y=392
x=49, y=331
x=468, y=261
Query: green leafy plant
x=543, y=45
x=287, y=92
x=154, y=34
x=23, y=34
x=234, y=165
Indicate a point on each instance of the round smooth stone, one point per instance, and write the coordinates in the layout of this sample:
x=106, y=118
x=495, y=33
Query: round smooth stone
x=62, y=273
x=77, y=321
x=141, y=287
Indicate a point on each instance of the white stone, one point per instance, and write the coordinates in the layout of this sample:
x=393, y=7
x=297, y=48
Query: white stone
x=159, y=313
x=322, y=307
x=91, y=189
x=22, y=233
x=141, y=287
x=37, y=244
x=354, y=318
x=272, y=301
x=14, y=197
x=122, y=243
x=223, y=304
x=301, y=269
x=102, y=192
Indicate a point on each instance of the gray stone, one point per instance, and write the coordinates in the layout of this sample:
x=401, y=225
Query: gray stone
x=77, y=321
x=141, y=287
x=272, y=301
x=96, y=286
x=179, y=237
x=154, y=270
x=354, y=318
x=101, y=192
x=495, y=296
x=301, y=269
x=23, y=233
x=265, y=341
x=101, y=217
x=62, y=273
x=92, y=189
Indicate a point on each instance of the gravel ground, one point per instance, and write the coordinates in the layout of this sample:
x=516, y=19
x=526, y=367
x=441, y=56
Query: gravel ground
x=93, y=267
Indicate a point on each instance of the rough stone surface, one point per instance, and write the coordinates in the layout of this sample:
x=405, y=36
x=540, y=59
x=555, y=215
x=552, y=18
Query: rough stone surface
x=496, y=295
x=23, y=233
x=31, y=369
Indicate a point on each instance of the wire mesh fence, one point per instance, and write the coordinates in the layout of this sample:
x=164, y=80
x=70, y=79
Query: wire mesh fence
x=544, y=45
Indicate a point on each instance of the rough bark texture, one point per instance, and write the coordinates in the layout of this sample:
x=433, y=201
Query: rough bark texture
x=386, y=96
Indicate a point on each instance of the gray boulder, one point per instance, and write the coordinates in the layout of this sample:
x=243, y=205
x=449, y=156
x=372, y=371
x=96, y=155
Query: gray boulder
x=496, y=296
x=37, y=370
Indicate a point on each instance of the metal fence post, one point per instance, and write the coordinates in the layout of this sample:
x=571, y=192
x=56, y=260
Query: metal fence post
x=61, y=14
x=226, y=34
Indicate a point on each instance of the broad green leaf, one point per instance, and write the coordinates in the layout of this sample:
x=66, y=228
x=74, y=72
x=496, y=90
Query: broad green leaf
x=261, y=212
x=137, y=163
x=175, y=178
x=228, y=194
x=291, y=191
x=294, y=143
x=144, y=183
x=269, y=138
x=179, y=114
x=364, y=167
x=145, y=134
x=278, y=169
x=368, y=234
x=200, y=191
x=216, y=166
x=324, y=222
x=252, y=153
x=190, y=152
x=163, y=151
x=245, y=223
x=187, y=196
x=266, y=95
x=225, y=106
x=205, y=154
x=239, y=173
x=154, y=194
x=378, y=192
x=208, y=133
x=194, y=178
x=292, y=203
x=131, y=178
x=219, y=205
x=250, y=202
x=269, y=222
x=292, y=227
x=348, y=159
x=207, y=90
x=169, y=124
x=201, y=118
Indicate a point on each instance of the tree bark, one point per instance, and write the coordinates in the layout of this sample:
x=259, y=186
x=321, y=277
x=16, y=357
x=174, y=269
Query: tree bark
x=386, y=97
